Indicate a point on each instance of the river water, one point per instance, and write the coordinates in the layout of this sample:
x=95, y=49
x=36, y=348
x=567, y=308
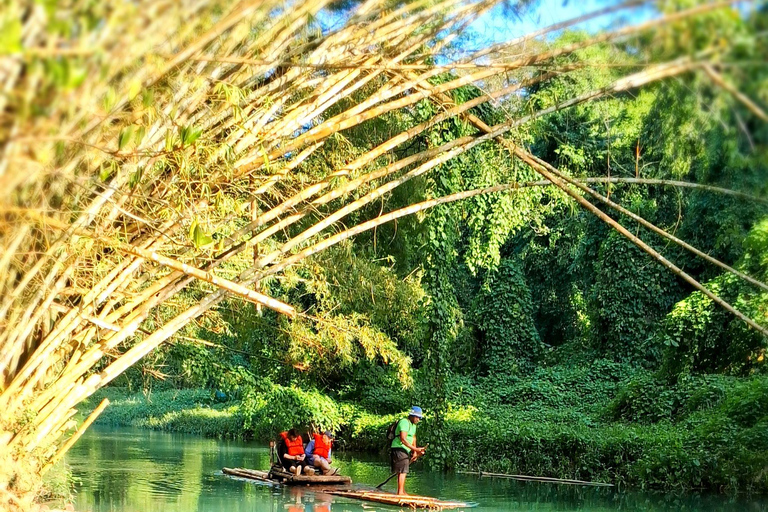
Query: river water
x=135, y=470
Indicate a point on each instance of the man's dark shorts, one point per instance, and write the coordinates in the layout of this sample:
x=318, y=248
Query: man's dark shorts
x=400, y=460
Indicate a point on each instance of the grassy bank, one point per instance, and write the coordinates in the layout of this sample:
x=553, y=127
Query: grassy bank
x=595, y=422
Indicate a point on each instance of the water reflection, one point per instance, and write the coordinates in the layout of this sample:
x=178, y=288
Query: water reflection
x=127, y=470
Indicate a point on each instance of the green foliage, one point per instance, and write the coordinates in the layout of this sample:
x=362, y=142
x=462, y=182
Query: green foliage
x=283, y=408
x=503, y=314
x=630, y=295
x=701, y=337
x=187, y=410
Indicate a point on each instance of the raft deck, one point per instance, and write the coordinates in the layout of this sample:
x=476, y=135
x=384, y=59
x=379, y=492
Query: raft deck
x=284, y=477
x=279, y=476
x=401, y=501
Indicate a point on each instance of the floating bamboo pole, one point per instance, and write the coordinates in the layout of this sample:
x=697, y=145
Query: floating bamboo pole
x=545, y=479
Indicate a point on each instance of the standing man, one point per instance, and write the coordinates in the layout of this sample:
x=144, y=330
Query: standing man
x=403, y=449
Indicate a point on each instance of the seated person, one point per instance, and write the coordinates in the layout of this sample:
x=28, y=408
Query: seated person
x=290, y=452
x=318, y=452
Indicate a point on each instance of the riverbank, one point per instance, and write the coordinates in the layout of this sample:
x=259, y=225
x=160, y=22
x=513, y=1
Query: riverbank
x=597, y=422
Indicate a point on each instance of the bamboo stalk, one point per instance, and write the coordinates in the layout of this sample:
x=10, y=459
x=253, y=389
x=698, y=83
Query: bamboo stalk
x=208, y=277
x=743, y=98
x=527, y=158
x=528, y=478
x=649, y=225
x=79, y=432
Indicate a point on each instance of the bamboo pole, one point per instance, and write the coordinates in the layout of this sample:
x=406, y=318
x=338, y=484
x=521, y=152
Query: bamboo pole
x=208, y=277
x=648, y=225
x=79, y=432
x=743, y=98
x=527, y=478
x=528, y=159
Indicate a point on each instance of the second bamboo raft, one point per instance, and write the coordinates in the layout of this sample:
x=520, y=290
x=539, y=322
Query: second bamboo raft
x=401, y=501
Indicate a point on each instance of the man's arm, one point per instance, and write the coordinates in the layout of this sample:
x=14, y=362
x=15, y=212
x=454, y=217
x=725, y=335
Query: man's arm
x=413, y=447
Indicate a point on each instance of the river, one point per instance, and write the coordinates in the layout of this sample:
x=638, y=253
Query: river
x=135, y=470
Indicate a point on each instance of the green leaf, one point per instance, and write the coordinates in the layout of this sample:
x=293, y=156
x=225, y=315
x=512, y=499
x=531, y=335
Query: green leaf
x=109, y=99
x=124, y=137
x=199, y=237
x=107, y=169
x=135, y=177
x=147, y=97
x=139, y=134
x=10, y=36
x=189, y=134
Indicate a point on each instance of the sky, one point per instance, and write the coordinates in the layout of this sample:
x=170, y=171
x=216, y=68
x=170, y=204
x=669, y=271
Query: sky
x=499, y=24
x=495, y=26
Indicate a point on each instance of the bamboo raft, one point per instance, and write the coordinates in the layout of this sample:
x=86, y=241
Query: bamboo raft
x=409, y=501
x=283, y=477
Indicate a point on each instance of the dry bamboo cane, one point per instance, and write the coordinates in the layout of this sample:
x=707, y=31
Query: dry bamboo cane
x=79, y=432
x=282, y=151
x=94, y=353
x=527, y=158
x=650, y=226
x=674, y=183
x=271, y=182
x=654, y=73
x=208, y=277
x=743, y=98
x=365, y=110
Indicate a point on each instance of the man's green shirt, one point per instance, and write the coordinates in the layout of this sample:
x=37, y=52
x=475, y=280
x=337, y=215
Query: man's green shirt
x=404, y=425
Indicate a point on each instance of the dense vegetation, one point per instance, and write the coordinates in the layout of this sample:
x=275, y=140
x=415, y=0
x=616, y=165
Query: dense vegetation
x=518, y=321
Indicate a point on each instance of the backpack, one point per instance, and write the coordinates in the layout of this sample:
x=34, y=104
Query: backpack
x=391, y=430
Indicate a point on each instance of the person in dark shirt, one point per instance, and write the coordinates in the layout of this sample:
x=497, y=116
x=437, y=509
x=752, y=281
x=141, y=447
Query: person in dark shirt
x=290, y=451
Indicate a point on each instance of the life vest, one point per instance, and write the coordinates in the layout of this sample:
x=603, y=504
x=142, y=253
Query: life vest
x=321, y=448
x=295, y=447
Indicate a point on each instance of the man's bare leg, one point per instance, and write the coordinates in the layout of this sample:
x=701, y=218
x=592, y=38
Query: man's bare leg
x=401, y=483
x=323, y=465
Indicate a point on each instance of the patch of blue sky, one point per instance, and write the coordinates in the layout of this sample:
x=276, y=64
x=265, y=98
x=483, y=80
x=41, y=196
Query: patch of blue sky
x=502, y=24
